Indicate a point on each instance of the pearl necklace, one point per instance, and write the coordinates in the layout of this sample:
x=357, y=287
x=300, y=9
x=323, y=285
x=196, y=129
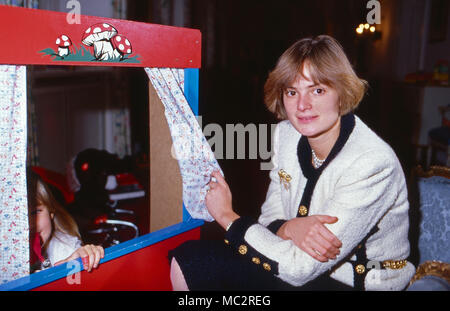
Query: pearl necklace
x=316, y=161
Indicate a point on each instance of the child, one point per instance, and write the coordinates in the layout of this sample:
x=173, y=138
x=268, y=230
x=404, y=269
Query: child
x=53, y=232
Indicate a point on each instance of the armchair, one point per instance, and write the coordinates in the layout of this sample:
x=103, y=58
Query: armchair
x=431, y=276
x=430, y=227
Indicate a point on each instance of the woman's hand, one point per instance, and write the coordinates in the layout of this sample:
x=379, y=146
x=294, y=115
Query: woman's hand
x=310, y=235
x=90, y=256
x=219, y=200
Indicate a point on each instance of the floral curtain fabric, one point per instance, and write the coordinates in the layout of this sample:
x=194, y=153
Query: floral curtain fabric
x=14, y=246
x=32, y=152
x=25, y=3
x=190, y=147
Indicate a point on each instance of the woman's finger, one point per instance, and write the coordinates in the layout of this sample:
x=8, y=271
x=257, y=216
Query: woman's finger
x=316, y=254
x=327, y=219
x=324, y=247
x=218, y=176
x=330, y=249
x=317, y=247
x=329, y=236
x=325, y=232
x=311, y=248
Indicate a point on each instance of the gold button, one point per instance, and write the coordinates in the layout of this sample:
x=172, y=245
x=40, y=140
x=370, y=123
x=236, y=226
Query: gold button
x=303, y=210
x=256, y=260
x=360, y=269
x=226, y=241
x=242, y=249
x=266, y=266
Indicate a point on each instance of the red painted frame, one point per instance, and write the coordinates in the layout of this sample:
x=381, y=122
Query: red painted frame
x=24, y=32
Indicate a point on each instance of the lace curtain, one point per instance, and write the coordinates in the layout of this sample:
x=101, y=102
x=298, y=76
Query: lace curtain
x=190, y=147
x=33, y=154
x=14, y=246
x=25, y=3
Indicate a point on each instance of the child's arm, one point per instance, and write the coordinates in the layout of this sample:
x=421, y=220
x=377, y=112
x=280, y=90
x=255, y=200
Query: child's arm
x=90, y=256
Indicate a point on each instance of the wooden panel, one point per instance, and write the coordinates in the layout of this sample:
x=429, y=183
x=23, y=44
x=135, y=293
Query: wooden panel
x=166, y=197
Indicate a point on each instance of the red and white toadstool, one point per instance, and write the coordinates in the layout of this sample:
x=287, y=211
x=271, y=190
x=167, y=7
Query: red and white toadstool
x=99, y=36
x=63, y=42
x=122, y=46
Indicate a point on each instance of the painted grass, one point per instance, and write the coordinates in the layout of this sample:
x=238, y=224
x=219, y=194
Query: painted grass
x=83, y=55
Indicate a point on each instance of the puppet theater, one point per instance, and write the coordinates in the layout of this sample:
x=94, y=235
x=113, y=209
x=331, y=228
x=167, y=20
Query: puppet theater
x=181, y=160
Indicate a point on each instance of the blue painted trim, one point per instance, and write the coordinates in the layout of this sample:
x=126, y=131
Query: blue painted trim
x=113, y=252
x=191, y=87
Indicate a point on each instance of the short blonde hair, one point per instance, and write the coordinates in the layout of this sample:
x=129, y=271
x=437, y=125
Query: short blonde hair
x=328, y=65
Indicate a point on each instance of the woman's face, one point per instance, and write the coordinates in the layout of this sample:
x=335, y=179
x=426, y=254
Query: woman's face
x=313, y=109
x=43, y=222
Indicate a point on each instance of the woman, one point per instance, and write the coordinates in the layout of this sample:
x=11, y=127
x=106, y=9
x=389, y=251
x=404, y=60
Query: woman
x=53, y=232
x=336, y=211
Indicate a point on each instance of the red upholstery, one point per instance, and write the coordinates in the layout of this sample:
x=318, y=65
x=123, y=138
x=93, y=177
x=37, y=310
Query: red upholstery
x=56, y=179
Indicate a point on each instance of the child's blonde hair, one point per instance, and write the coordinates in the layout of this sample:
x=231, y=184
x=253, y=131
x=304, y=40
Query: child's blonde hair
x=39, y=193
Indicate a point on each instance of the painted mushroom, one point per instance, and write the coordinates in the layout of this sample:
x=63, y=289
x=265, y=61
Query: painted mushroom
x=122, y=46
x=63, y=42
x=99, y=36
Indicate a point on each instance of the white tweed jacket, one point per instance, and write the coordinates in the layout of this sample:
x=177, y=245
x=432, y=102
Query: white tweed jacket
x=364, y=186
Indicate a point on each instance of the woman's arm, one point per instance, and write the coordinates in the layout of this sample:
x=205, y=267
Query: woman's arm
x=272, y=214
x=307, y=233
x=362, y=197
x=312, y=236
x=218, y=201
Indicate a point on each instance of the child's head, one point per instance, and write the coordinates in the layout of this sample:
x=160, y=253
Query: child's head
x=46, y=215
